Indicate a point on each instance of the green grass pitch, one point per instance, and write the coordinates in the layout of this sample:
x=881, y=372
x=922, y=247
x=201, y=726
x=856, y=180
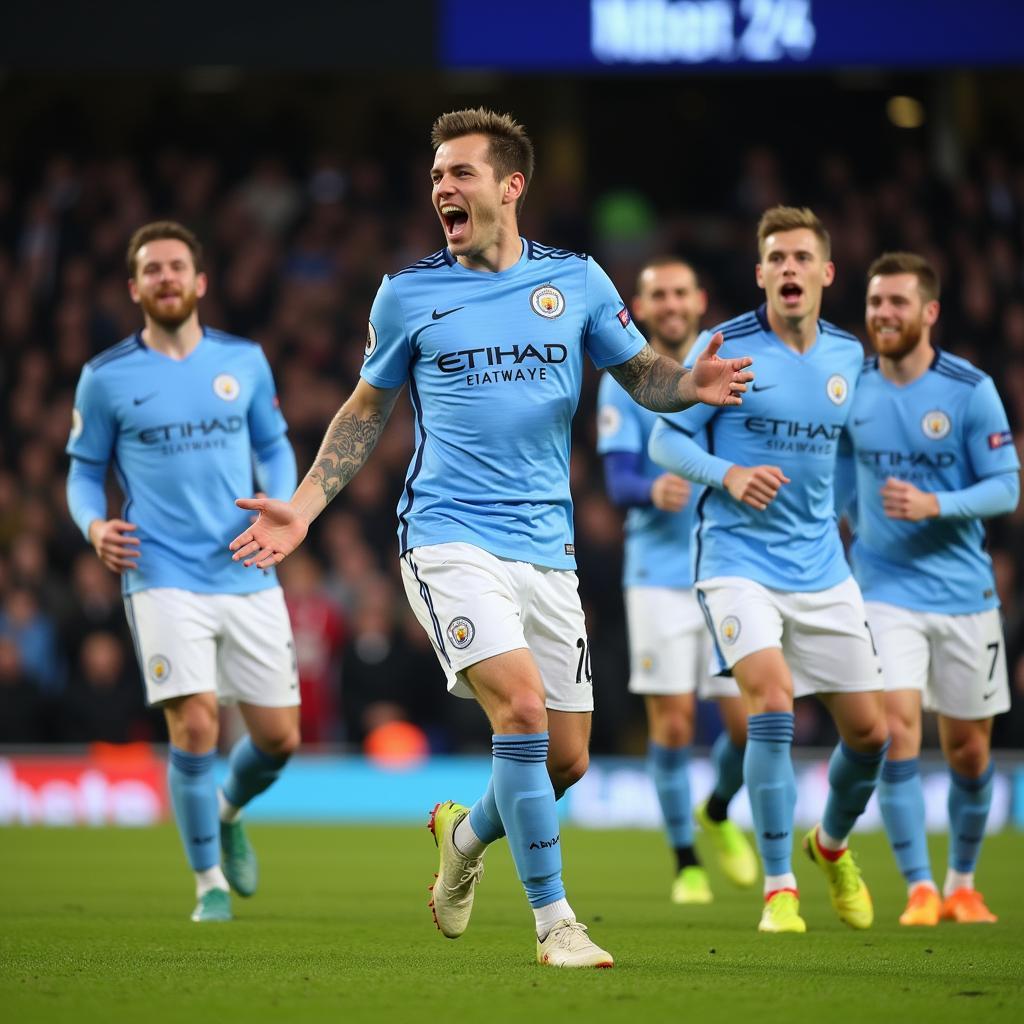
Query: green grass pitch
x=94, y=927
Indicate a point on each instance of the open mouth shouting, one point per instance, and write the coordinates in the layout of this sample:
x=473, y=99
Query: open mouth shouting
x=791, y=294
x=455, y=220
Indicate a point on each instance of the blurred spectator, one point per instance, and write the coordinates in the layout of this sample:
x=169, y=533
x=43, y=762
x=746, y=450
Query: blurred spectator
x=104, y=700
x=33, y=633
x=319, y=629
x=21, y=703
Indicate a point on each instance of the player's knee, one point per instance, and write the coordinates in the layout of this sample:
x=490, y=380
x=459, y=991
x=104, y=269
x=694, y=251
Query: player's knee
x=673, y=731
x=772, y=697
x=281, y=744
x=903, y=738
x=524, y=712
x=196, y=734
x=969, y=757
x=869, y=736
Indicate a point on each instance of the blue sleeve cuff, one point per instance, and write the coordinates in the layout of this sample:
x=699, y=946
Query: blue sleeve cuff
x=993, y=496
x=275, y=469
x=675, y=450
x=625, y=481
x=87, y=494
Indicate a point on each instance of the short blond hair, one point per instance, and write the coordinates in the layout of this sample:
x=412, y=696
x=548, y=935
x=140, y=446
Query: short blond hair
x=790, y=218
x=509, y=147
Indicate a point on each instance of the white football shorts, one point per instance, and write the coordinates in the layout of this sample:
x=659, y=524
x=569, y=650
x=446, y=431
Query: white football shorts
x=475, y=605
x=823, y=634
x=238, y=646
x=670, y=646
x=957, y=662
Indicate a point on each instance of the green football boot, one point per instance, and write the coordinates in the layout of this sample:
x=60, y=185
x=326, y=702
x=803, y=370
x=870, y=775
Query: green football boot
x=238, y=859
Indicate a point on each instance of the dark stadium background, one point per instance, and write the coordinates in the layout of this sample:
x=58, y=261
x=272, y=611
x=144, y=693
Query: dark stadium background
x=296, y=145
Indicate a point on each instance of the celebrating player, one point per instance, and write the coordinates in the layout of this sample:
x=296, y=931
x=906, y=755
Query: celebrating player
x=670, y=649
x=187, y=414
x=934, y=457
x=490, y=333
x=787, y=617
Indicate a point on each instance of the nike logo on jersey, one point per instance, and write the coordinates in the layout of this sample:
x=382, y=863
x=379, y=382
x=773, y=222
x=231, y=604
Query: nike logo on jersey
x=145, y=398
x=763, y=387
x=861, y=422
x=448, y=312
x=989, y=695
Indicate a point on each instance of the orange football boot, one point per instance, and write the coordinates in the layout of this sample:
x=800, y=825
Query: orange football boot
x=966, y=906
x=923, y=906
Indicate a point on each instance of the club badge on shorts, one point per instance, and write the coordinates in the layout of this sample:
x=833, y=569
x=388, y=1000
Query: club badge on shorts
x=730, y=629
x=461, y=632
x=159, y=668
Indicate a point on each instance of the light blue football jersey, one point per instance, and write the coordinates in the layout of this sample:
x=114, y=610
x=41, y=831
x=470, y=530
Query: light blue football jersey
x=494, y=363
x=181, y=434
x=657, y=548
x=792, y=417
x=942, y=432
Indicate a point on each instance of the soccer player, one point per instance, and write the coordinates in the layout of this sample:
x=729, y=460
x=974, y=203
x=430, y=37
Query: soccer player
x=670, y=649
x=490, y=334
x=933, y=457
x=787, y=617
x=188, y=415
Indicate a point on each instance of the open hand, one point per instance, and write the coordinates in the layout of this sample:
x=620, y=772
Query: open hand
x=720, y=381
x=276, y=533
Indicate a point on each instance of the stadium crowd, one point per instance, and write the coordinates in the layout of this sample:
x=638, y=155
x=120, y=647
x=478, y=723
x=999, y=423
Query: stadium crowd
x=295, y=248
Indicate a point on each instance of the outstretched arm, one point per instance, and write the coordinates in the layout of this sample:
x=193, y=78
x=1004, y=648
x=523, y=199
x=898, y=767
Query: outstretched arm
x=662, y=385
x=674, y=449
x=282, y=525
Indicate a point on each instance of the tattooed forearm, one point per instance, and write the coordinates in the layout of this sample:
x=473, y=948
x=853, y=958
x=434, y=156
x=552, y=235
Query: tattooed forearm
x=652, y=380
x=346, y=446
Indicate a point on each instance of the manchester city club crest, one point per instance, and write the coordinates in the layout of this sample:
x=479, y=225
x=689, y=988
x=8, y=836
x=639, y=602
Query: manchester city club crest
x=371, y=339
x=609, y=420
x=837, y=389
x=730, y=629
x=547, y=301
x=225, y=386
x=461, y=632
x=159, y=668
x=935, y=424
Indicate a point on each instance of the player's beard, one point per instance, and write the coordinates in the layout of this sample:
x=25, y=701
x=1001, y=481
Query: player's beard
x=900, y=347
x=163, y=316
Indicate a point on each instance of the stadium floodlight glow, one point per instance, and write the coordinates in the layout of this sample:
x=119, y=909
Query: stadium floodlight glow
x=905, y=111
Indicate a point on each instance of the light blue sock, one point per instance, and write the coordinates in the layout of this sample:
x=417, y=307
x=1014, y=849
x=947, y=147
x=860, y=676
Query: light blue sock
x=193, y=792
x=250, y=771
x=526, y=805
x=484, y=819
x=727, y=759
x=901, y=800
x=852, y=778
x=768, y=770
x=670, y=769
x=969, y=801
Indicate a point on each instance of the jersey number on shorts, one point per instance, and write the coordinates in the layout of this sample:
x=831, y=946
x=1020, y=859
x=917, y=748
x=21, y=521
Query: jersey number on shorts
x=993, y=647
x=584, y=665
